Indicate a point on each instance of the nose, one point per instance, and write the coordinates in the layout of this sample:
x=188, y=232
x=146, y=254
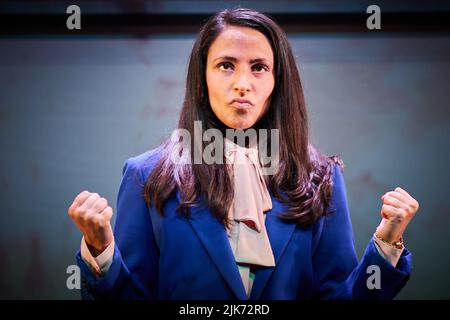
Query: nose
x=242, y=83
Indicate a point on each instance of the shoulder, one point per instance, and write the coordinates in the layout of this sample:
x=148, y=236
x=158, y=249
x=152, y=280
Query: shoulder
x=144, y=162
x=338, y=182
x=337, y=175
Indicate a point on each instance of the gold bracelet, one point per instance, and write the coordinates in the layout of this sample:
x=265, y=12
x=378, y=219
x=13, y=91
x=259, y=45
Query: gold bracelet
x=396, y=245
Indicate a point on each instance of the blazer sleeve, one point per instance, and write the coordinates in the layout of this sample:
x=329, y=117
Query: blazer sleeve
x=337, y=272
x=133, y=273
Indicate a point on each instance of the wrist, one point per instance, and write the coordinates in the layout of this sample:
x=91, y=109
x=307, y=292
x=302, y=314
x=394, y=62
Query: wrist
x=389, y=231
x=397, y=243
x=95, y=252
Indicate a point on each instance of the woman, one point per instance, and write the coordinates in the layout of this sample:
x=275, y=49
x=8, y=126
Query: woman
x=227, y=230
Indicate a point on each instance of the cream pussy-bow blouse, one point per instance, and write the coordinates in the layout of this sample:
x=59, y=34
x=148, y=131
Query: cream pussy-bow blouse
x=248, y=235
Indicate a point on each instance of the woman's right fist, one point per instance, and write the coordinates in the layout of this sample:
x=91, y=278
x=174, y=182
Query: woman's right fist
x=92, y=215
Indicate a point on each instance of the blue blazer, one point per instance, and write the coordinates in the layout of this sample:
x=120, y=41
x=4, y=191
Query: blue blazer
x=173, y=257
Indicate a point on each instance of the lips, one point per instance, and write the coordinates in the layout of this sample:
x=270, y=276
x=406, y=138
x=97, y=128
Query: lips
x=241, y=104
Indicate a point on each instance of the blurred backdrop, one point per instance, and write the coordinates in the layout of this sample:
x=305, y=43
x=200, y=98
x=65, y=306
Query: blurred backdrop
x=74, y=105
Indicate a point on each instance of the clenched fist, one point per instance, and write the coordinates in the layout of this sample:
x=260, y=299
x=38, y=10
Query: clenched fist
x=92, y=215
x=397, y=211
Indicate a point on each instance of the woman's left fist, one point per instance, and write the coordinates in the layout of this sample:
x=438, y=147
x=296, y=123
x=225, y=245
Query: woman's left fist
x=397, y=211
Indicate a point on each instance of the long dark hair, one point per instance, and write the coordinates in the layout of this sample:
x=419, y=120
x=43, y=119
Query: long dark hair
x=303, y=180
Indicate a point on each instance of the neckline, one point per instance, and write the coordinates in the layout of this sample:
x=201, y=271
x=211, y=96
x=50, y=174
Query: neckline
x=230, y=143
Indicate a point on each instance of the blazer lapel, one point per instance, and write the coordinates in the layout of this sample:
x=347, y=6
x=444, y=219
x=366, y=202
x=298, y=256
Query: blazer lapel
x=279, y=233
x=214, y=237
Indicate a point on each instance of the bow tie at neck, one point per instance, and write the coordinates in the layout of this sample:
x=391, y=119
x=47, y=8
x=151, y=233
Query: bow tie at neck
x=248, y=235
x=235, y=154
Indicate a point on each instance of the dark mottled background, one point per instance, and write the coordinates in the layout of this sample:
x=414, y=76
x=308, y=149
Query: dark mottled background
x=74, y=108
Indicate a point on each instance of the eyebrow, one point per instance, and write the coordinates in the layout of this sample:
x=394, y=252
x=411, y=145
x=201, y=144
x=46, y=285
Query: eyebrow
x=233, y=59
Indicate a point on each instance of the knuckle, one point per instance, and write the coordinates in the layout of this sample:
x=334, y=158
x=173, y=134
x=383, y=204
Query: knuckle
x=412, y=207
x=83, y=218
x=97, y=222
x=93, y=197
x=71, y=213
x=78, y=211
x=88, y=216
x=107, y=211
x=90, y=221
x=102, y=223
x=91, y=213
x=94, y=222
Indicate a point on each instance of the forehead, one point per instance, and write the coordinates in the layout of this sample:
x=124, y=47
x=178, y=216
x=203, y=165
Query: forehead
x=242, y=43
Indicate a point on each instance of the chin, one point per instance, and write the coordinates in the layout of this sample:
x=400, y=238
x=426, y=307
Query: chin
x=241, y=123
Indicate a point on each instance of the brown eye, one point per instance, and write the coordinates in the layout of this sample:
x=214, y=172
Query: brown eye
x=260, y=68
x=226, y=66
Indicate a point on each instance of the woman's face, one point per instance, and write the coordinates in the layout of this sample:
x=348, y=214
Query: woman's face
x=239, y=75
